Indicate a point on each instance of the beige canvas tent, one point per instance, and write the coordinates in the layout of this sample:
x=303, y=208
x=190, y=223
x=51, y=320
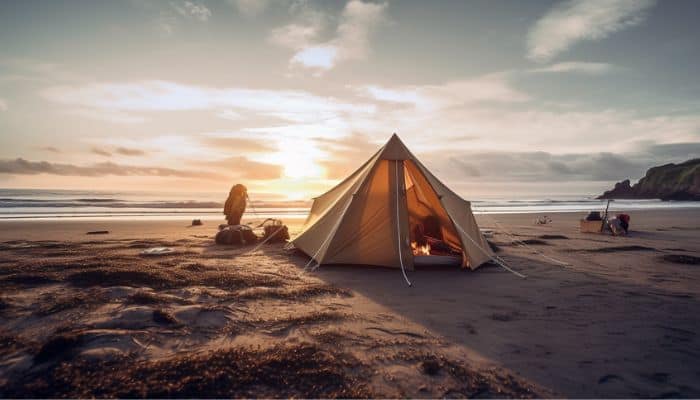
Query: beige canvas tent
x=369, y=217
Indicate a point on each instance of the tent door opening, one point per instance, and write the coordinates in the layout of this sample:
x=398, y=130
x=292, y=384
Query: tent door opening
x=432, y=236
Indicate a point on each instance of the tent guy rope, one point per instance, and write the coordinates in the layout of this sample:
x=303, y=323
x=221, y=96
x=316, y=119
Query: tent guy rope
x=498, y=260
x=523, y=244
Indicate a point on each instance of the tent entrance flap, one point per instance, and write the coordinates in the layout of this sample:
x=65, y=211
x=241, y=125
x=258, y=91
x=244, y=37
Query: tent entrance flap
x=431, y=230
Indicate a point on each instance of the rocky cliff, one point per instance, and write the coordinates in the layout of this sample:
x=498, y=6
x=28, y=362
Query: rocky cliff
x=666, y=182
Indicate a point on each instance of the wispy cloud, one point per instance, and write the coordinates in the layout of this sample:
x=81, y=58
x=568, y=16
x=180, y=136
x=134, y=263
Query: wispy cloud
x=100, y=152
x=51, y=149
x=168, y=14
x=244, y=168
x=558, y=167
x=342, y=155
x=103, y=114
x=590, y=68
x=21, y=166
x=126, y=151
x=237, y=143
x=250, y=8
x=351, y=40
x=189, y=9
x=149, y=96
x=487, y=88
x=577, y=20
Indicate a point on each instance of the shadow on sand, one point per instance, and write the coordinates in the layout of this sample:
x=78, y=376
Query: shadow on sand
x=561, y=328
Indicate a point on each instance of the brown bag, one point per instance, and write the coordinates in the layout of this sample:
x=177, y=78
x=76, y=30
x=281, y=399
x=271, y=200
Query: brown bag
x=276, y=233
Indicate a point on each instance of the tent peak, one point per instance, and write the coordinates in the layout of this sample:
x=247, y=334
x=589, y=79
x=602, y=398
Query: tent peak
x=394, y=149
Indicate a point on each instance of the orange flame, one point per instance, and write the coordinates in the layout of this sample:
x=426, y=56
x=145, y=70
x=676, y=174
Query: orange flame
x=420, y=250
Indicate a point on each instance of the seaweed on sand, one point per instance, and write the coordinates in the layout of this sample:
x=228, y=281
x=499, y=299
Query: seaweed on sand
x=301, y=370
x=117, y=277
x=468, y=382
x=51, y=303
x=299, y=293
x=280, y=326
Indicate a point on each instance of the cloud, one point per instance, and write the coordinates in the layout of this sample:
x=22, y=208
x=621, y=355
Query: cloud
x=294, y=36
x=126, y=99
x=674, y=151
x=238, y=144
x=103, y=114
x=100, y=152
x=250, y=8
x=189, y=9
x=573, y=21
x=245, y=168
x=21, y=166
x=165, y=23
x=3, y=104
x=125, y=151
x=350, y=41
x=304, y=31
x=590, y=68
x=321, y=57
x=168, y=14
x=487, y=88
x=358, y=21
x=344, y=155
x=543, y=166
x=50, y=149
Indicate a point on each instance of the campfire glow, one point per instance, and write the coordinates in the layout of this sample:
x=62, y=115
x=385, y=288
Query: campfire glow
x=420, y=250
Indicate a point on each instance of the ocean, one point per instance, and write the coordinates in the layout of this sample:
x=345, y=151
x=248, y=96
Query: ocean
x=18, y=204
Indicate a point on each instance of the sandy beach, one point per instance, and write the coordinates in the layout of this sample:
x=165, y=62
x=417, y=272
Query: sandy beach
x=597, y=316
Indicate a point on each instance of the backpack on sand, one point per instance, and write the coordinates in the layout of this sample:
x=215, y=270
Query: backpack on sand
x=236, y=235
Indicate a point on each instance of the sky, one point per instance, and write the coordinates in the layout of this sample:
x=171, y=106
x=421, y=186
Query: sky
x=498, y=98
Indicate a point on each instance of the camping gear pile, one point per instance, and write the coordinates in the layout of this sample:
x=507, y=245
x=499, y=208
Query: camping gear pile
x=235, y=235
x=597, y=223
x=273, y=231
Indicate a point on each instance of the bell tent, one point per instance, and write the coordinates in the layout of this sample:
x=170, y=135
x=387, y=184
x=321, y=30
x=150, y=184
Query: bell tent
x=374, y=216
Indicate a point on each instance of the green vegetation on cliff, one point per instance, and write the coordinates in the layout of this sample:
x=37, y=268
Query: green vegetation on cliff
x=666, y=182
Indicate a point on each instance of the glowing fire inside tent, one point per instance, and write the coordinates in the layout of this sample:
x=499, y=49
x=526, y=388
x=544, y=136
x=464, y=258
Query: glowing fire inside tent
x=423, y=250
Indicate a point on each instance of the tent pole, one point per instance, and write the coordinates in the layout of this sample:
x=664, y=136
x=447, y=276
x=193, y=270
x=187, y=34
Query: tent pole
x=398, y=224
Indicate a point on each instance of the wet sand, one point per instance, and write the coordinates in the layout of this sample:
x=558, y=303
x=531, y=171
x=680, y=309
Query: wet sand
x=597, y=316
